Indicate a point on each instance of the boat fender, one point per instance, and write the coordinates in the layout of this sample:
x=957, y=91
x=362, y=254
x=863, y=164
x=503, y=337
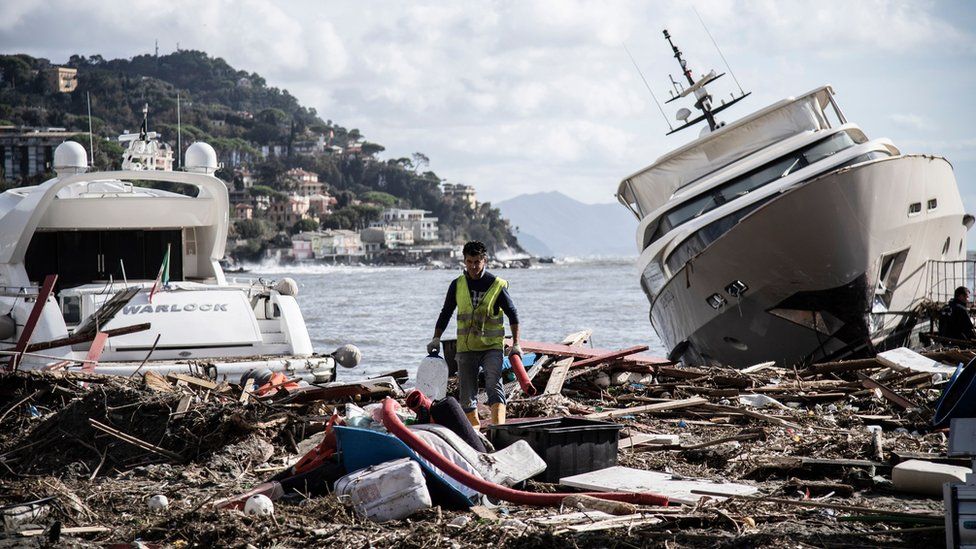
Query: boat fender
x=287, y=286
x=348, y=356
x=8, y=327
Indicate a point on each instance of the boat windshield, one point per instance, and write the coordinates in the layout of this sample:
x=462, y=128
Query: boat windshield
x=748, y=182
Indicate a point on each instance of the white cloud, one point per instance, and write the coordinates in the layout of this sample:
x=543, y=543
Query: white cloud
x=520, y=96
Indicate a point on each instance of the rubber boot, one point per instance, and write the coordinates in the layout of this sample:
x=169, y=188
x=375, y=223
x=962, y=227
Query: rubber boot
x=498, y=414
x=473, y=418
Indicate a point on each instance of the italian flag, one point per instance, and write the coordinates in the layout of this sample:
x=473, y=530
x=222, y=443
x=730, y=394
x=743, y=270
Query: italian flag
x=163, y=277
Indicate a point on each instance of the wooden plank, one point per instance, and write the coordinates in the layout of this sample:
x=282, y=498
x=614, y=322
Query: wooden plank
x=650, y=408
x=70, y=530
x=607, y=357
x=137, y=442
x=192, y=380
x=645, y=438
x=95, y=351
x=75, y=339
x=678, y=489
x=887, y=392
x=46, y=288
x=608, y=524
x=564, y=350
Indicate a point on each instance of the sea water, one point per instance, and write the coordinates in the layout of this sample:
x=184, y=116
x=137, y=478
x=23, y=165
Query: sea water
x=390, y=312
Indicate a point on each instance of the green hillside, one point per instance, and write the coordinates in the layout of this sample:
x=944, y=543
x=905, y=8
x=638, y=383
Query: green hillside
x=239, y=114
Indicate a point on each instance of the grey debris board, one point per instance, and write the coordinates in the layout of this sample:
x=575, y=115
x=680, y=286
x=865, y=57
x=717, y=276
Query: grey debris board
x=626, y=479
x=638, y=439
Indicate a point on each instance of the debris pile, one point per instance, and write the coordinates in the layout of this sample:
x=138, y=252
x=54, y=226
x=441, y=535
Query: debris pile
x=839, y=454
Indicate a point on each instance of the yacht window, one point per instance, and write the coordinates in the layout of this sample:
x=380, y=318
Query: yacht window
x=71, y=309
x=933, y=204
x=914, y=208
x=755, y=179
x=708, y=234
x=653, y=279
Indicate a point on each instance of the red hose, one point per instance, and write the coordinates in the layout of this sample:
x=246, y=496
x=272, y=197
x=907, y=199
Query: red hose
x=399, y=430
x=417, y=401
x=523, y=378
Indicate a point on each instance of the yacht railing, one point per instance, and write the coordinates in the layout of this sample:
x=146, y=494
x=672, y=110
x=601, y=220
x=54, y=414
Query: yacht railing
x=943, y=277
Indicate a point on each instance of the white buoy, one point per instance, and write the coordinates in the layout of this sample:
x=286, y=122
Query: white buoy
x=259, y=505
x=158, y=502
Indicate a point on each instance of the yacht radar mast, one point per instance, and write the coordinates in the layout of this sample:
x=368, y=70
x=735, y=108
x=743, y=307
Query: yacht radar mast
x=703, y=99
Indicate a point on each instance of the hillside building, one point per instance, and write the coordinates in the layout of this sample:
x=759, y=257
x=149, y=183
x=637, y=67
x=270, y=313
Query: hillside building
x=424, y=228
x=461, y=193
x=62, y=79
x=26, y=152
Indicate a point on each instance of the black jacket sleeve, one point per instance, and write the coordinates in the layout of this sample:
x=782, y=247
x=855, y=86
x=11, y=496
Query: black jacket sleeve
x=450, y=303
x=508, y=306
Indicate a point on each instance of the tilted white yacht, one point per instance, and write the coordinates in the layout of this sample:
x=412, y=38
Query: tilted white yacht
x=790, y=235
x=106, y=235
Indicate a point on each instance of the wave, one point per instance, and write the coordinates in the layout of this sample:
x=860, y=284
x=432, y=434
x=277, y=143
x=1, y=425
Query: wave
x=275, y=268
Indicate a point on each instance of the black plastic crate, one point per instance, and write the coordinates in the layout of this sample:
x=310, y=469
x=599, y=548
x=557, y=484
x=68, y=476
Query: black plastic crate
x=568, y=445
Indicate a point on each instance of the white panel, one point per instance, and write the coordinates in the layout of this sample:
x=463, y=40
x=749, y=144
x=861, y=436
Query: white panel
x=187, y=319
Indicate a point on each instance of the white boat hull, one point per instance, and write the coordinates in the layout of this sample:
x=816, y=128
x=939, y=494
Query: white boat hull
x=817, y=248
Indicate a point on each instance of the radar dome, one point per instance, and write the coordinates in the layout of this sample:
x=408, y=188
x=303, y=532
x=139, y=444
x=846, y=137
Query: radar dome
x=70, y=158
x=200, y=158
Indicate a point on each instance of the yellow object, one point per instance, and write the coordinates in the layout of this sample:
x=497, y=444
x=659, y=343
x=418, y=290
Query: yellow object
x=478, y=329
x=473, y=418
x=497, y=414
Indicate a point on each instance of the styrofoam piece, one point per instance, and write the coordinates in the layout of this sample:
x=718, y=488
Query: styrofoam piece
x=158, y=502
x=432, y=377
x=760, y=401
x=925, y=477
x=903, y=358
x=389, y=491
x=678, y=490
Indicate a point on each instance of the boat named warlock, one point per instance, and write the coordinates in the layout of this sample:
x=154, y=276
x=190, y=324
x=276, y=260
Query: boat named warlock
x=790, y=235
x=112, y=238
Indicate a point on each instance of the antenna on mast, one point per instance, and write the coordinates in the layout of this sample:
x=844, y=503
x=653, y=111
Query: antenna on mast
x=719, y=50
x=91, y=140
x=179, y=135
x=646, y=85
x=703, y=100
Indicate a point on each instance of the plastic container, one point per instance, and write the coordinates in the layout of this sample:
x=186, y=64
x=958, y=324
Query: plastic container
x=432, y=377
x=389, y=491
x=568, y=445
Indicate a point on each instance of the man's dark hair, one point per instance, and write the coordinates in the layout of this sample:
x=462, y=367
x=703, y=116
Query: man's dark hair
x=475, y=249
x=961, y=291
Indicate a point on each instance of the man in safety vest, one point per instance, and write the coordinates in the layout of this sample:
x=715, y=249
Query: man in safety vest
x=480, y=298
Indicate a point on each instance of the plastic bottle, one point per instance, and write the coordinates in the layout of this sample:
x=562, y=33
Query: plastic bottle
x=432, y=377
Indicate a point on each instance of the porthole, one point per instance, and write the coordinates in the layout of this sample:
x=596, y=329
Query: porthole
x=933, y=204
x=960, y=246
x=945, y=247
x=914, y=208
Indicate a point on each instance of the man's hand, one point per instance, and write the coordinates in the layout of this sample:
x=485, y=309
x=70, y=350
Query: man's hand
x=515, y=349
x=434, y=346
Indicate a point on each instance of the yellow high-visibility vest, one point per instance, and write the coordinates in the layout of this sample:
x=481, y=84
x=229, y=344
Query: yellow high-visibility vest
x=478, y=328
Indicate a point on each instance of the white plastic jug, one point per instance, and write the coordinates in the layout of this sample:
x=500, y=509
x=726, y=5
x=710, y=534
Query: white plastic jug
x=389, y=491
x=432, y=377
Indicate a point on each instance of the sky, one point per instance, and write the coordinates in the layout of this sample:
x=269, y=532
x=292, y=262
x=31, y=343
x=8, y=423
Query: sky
x=518, y=97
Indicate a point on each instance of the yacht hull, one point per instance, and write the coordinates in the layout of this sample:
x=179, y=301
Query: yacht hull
x=811, y=261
